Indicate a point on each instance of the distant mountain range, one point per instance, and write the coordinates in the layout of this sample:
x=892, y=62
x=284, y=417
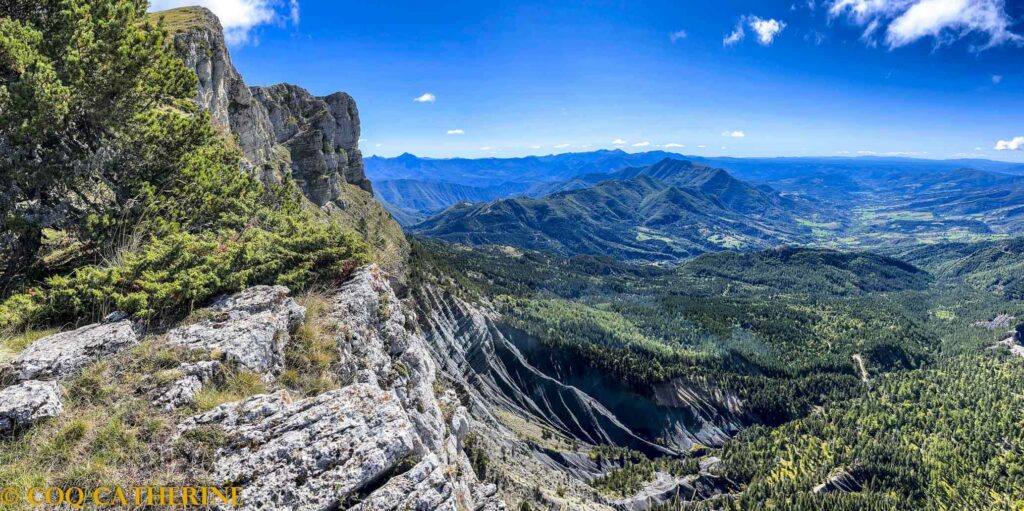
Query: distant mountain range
x=671, y=210
x=858, y=203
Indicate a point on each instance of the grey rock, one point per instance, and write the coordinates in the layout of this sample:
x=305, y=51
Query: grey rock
x=223, y=92
x=1000, y=322
x=28, y=402
x=321, y=135
x=183, y=390
x=839, y=480
x=65, y=354
x=250, y=328
x=316, y=454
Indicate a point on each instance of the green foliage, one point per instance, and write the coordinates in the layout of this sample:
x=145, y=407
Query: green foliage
x=947, y=437
x=805, y=271
x=166, y=216
x=636, y=470
x=82, y=83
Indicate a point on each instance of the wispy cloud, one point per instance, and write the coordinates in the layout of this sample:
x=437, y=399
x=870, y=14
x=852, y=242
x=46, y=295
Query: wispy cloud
x=456, y=132
x=485, y=148
x=945, y=21
x=997, y=79
x=735, y=36
x=702, y=146
x=561, y=146
x=240, y=17
x=641, y=144
x=426, y=97
x=535, y=147
x=1014, y=144
x=674, y=145
x=678, y=35
x=619, y=141
x=766, y=30
x=733, y=134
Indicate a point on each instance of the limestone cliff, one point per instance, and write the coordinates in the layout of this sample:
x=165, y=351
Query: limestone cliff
x=199, y=41
x=285, y=132
x=321, y=135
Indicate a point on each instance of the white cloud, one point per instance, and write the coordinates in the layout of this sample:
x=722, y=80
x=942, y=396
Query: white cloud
x=619, y=141
x=997, y=79
x=673, y=144
x=641, y=144
x=945, y=21
x=426, y=98
x=535, y=147
x=561, y=146
x=1014, y=144
x=702, y=146
x=379, y=145
x=978, y=149
x=733, y=134
x=735, y=36
x=485, y=148
x=456, y=132
x=240, y=17
x=766, y=29
x=677, y=35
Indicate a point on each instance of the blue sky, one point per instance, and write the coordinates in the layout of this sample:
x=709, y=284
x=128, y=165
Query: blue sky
x=928, y=78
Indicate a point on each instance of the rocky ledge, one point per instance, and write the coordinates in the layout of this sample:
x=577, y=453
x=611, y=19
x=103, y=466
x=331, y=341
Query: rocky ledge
x=383, y=441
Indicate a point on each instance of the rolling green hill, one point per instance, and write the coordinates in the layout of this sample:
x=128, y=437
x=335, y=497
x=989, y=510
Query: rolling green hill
x=806, y=271
x=641, y=217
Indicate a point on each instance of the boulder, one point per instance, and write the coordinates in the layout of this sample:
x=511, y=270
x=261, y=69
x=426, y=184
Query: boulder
x=250, y=328
x=26, y=403
x=64, y=354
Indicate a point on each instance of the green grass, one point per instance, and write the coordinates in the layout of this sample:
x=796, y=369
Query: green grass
x=311, y=357
x=11, y=346
x=180, y=19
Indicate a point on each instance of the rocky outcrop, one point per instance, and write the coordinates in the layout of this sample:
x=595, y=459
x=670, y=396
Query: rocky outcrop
x=839, y=480
x=666, y=488
x=183, y=390
x=316, y=454
x=64, y=354
x=321, y=135
x=222, y=92
x=382, y=441
x=28, y=402
x=250, y=328
x=1000, y=322
x=281, y=129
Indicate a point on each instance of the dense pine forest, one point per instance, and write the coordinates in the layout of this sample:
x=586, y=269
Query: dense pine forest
x=867, y=382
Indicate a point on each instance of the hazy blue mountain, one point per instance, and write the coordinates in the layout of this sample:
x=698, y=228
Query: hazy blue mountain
x=496, y=171
x=636, y=218
x=412, y=201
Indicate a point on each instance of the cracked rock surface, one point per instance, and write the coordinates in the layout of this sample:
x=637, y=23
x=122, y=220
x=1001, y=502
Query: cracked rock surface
x=23, y=404
x=64, y=354
x=250, y=328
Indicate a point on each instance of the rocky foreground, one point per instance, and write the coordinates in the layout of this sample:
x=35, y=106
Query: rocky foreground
x=385, y=440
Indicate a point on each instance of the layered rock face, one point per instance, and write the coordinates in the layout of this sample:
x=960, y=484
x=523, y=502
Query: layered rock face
x=222, y=91
x=321, y=135
x=281, y=129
